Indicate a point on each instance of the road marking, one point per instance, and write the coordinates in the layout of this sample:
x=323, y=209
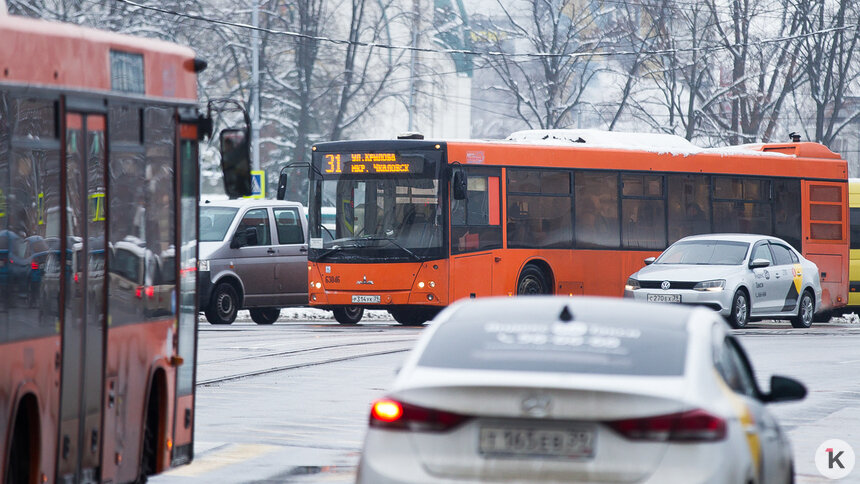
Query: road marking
x=223, y=457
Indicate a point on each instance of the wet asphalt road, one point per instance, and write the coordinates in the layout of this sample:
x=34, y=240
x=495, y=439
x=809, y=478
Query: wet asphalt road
x=289, y=402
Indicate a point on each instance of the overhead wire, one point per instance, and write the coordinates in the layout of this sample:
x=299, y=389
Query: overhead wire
x=491, y=54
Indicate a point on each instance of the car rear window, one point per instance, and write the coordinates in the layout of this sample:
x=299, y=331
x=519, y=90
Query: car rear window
x=572, y=347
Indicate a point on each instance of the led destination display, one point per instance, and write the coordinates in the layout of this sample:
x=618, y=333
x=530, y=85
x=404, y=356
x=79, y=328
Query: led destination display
x=370, y=163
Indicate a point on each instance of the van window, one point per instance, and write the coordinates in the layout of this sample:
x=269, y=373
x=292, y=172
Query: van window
x=257, y=218
x=289, y=226
x=214, y=222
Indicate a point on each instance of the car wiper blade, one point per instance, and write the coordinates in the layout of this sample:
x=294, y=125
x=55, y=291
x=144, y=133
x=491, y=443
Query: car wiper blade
x=393, y=242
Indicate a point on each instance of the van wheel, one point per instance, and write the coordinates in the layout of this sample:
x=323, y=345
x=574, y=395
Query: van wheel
x=224, y=305
x=740, y=314
x=805, y=311
x=265, y=315
x=532, y=281
x=348, y=314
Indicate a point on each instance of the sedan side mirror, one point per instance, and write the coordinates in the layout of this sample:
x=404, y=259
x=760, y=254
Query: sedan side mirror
x=649, y=260
x=784, y=389
x=757, y=263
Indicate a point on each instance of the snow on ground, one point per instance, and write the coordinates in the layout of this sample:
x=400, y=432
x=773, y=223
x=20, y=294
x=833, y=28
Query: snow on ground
x=311, y=314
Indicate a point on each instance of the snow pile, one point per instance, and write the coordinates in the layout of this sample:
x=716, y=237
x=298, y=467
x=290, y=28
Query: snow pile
x=311, y=314
x=595, y=138
x=651, y=142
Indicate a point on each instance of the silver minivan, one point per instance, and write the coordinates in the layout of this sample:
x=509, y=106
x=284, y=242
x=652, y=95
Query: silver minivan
x=253, y=255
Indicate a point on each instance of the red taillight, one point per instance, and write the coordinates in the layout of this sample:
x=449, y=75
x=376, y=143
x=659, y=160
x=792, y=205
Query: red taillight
x=690, y=426
x=76, y=277
x=150, y=291
x=391, y=414
x=34, y=266
x=138, y=292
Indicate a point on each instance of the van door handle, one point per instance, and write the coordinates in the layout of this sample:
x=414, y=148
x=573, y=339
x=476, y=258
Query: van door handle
x=271, y=250
x=303, y=249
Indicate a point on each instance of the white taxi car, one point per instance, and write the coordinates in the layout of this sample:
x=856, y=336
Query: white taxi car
x=741, y=276
x=555, y=389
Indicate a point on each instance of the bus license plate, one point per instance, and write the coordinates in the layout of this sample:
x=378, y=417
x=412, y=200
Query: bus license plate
x=664, y=298
x=536, y=442
x=365, y=299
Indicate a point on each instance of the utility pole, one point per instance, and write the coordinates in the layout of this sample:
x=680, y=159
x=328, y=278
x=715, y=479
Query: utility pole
x=416, y=5
x=255, y=86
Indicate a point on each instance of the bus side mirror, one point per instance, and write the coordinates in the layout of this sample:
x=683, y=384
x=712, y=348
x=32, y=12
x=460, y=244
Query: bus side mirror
x=282, y=186
x=235, y=162
x=458, y=184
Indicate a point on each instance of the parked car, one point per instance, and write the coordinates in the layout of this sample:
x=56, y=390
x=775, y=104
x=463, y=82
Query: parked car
x=253, y=255
x=557, y=389
x=743, y=277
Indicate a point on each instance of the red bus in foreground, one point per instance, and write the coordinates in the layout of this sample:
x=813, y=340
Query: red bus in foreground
x=419, y=224
x=98, y=253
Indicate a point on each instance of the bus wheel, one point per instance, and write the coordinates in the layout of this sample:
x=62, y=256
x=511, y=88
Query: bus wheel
x=149, y=453
x=224, y=305
x=532, y=281
x=805, y=311
x=412, y=317
x=348, y=314
x=21, y=453
x=265, y=315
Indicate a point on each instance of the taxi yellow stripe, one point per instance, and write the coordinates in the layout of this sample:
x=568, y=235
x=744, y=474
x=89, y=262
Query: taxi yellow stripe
x=747, y=422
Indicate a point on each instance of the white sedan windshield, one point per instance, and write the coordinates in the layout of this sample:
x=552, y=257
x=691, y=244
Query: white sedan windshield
x=705, y=252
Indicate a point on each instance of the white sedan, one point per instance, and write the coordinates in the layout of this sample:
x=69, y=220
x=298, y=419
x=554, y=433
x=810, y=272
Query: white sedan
x=555, y=389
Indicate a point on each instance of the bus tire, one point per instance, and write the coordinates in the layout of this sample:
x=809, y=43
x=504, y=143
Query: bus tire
x=348, y=314
x=23, y=460
x=532, y=281
x=740, y=315
x=224, y=305
x=412, y=317
x=265, y=315
x=805, y=311
x=149, y=452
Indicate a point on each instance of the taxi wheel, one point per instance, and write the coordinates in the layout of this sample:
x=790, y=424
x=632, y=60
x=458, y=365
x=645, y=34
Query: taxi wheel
x=265, y=315
x=532, y=281
x=348, y=314
x=740, y=310
x=224, y=305
x=805, y=312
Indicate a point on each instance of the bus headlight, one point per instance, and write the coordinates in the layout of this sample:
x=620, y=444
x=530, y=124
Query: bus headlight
x=716, y=285
x=632, y=285
x=203, y=265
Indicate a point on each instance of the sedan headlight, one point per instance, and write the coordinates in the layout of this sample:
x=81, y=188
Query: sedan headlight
x=632, y=285
x=713, y=286
x=203, y=265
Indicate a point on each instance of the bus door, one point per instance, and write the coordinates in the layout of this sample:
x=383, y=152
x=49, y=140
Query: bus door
x=475, y=230
x=186, y=334
x=825, y=237
x=83, y=320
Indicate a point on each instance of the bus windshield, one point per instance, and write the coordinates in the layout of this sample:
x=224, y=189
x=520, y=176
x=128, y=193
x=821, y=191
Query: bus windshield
x=376, y=218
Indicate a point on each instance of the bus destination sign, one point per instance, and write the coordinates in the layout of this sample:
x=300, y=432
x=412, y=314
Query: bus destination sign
x=371, y=163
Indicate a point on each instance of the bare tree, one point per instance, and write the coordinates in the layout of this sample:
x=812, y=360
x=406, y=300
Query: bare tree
x=546, y=88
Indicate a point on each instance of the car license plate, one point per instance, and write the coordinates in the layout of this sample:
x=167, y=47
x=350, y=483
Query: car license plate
x=537, y=442
x=365, y=299
x=664, y=298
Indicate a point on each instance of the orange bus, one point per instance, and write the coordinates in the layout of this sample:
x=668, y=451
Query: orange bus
x=420, y=224
x=98, y=253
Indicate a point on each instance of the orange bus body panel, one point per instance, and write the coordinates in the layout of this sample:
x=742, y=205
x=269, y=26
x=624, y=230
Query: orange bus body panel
x=51, y=54
x=29, y=369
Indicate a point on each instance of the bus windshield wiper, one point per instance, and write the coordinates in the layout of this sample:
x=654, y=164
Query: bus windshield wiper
x=393, y=242
x=336, y=248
